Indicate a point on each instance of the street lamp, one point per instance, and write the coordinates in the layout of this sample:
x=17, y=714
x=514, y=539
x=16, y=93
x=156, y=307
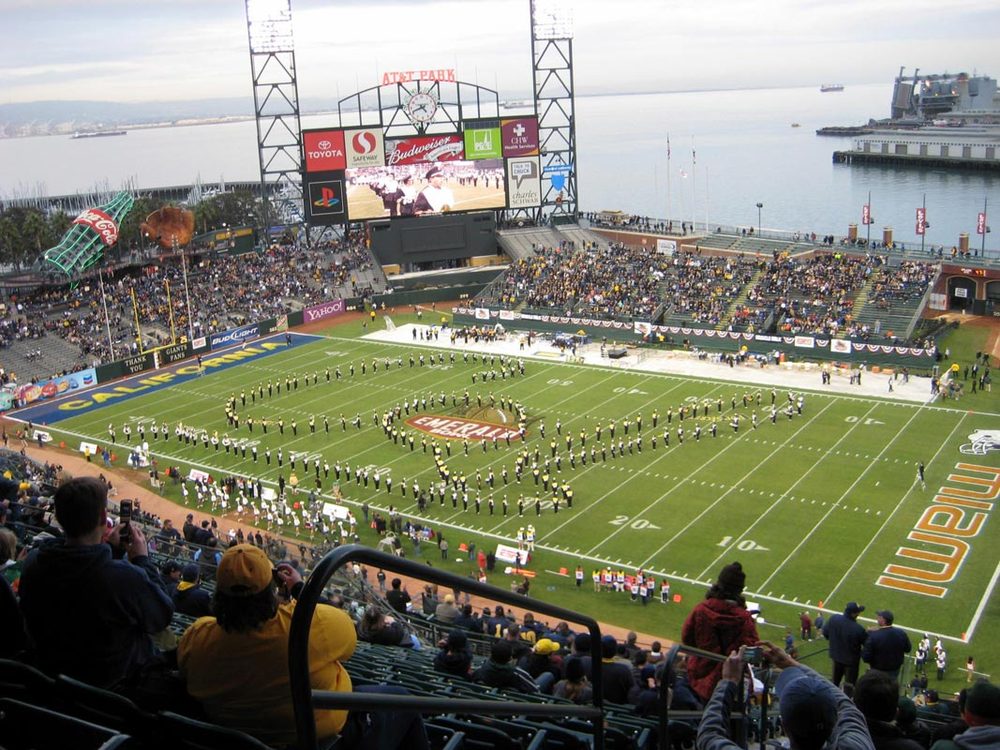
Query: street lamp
x=759, y=207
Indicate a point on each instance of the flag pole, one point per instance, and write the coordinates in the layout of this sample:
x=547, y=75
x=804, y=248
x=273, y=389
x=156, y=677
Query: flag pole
x=669, y=206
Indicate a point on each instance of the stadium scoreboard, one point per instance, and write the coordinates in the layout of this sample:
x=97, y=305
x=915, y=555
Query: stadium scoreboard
x=359, y=174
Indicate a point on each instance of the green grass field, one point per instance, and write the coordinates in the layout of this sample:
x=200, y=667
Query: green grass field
x=815, y=507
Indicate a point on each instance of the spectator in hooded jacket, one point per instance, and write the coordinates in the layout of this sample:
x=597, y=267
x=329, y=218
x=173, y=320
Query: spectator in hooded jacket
x=454, y=656
x=189, y=597
x=720, y=624
x=116, y=605
x=498, y=671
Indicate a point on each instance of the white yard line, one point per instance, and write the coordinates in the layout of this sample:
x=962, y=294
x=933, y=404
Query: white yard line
x=614, y=491
x=885, y=523
x=982, y=604
x=721, y=497
x=836, y=505
x=762, y=516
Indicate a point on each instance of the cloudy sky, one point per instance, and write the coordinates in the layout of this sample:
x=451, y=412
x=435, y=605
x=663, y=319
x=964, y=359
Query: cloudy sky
x=136, y=50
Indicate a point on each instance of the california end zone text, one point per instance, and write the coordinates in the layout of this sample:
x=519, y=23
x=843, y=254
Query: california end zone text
x=127, y=389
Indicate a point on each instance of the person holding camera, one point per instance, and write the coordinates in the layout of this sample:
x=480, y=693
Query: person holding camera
x=117, y=603
x=814, y=713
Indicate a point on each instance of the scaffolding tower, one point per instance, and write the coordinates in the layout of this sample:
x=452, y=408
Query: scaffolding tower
x=276, y=110
x=552, y=67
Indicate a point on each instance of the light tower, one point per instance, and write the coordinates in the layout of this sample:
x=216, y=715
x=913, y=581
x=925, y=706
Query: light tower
x=552, y=67
x=276, y=107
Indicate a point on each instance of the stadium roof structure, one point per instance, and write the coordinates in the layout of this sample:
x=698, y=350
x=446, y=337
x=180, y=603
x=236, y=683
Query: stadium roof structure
x=91, y=232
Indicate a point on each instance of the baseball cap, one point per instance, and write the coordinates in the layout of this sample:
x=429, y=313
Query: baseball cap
x=546, y=646
x=808, y=706
x=244, y=571
x=853, y=608
x=434, y=172
x=189, y=573
x=886, y=614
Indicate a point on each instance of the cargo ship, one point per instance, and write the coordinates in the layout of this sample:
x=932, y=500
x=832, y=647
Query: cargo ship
x=99, y=134
x=826, y=88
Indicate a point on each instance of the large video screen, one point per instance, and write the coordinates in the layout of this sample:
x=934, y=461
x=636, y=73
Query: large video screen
x=425, y=189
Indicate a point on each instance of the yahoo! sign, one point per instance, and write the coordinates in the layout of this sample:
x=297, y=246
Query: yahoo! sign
x=323, y=310
x=101, y=223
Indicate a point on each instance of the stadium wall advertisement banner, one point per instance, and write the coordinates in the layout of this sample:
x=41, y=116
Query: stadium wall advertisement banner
x=127, y=366
x=43, y=389
x=199, y=345
x=424, y=149
x=273, y=325
x=519, y=137
x=234, y=336
x=667, y=247
x=324, y=150
x=524, y=182
x=170, y=354
x=365, y=148
x=6, y=400
x=720, y=340
x=482, y=143
x=407, y=190
x=323, y=310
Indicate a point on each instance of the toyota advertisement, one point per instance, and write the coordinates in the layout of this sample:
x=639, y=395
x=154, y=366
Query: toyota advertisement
x=323, y=150
x=407, y=190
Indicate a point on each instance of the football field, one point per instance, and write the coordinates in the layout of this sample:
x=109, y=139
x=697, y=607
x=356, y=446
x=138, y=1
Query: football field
x=820, y=502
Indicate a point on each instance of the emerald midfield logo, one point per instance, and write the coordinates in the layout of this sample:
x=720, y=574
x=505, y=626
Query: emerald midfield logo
x=456, y=428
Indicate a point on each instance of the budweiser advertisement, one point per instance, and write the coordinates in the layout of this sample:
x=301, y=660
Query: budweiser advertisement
x=921, y=220
x=324, y=150
x=408, y=190
x=365, y=148
x=424, y=149
x=519, y=136
x=323, y=310
x=100, y=222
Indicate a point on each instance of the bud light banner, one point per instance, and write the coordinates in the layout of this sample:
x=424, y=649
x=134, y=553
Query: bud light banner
x=323, y=311
x=101, y=223
x=44, y=389
x=424, y=149
x=234, y=336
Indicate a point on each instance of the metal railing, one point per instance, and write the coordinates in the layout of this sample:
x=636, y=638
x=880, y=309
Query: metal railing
x=305, y=700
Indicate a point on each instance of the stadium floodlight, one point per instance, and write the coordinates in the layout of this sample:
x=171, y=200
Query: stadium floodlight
x=552, y=19
x=270, y=25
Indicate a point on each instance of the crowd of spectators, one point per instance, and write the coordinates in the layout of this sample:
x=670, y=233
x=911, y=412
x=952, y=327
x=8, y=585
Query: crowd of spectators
x=595, y=281
x=903, y=284
x=224, y=290
x=703, y=287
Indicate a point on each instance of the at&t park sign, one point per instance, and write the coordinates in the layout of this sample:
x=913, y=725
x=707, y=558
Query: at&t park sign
x=409, y=76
